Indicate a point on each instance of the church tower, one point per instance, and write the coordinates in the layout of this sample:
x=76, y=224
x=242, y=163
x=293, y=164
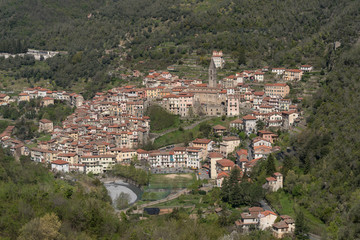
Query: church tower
x=212, y=74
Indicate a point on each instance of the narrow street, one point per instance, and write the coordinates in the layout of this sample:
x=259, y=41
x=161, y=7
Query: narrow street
x=249, y=148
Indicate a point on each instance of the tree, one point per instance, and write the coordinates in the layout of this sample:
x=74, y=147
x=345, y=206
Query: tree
x=205, y=129
x=301, y=228
x=270, y=165
x=240, y=193
x=260, y=125
x=288, y=165
x=44, y=228
x=122, y=201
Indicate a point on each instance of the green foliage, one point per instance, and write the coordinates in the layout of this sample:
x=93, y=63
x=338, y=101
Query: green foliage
x=25, y=113
x=301, y=228
x=32, y=110
x=243, y=193
x=139, y=176
x=55, y=113
x=33, y=203
x=26, y=130
x=205, y=129
x=270, y=165
x=242, y=136
x=166, y=181
x=326, y=162
x=260, y=125
x=176, y=225
x=122, y=201
x=161, y=119
x=3, y=125
x=46, y=227
x=284, y=34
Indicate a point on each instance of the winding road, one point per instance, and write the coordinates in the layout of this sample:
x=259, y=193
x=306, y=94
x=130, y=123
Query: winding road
x=168, y=198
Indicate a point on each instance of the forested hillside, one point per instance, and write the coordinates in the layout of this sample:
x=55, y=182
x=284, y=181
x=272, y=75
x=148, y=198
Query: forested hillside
x=35, y=205
x=162, y=32
x=324, y=174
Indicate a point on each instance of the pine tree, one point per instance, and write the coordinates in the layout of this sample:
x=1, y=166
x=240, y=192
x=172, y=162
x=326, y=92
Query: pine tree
x=301, y=229
x=225, y=190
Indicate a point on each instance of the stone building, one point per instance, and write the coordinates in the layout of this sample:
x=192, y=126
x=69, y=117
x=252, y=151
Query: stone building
x=274, y=183
x=212, y=74
x=46, y=125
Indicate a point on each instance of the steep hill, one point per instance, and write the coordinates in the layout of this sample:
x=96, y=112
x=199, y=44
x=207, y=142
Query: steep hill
x=162, y=32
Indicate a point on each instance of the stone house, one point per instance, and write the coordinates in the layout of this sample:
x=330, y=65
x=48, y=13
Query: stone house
x=219, y=130
x=46, y=101
x=237, y=124
x=274, y=183
x=249, y=122
x=292, y=75
x=60, y=166
x=46, y=125
x=228, y=145
x=24, y=97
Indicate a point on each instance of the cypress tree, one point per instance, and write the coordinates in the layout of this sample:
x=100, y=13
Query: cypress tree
x=270, y=165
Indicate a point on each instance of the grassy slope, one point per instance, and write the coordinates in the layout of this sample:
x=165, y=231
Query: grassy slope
x=181, y=136
x=163, y=181
x=285, y=205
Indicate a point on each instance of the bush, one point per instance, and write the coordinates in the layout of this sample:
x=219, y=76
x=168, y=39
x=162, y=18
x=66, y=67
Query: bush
x=160, y=118
x=202, y=192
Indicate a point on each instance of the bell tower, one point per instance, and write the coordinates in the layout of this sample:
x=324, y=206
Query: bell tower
x=212, y=74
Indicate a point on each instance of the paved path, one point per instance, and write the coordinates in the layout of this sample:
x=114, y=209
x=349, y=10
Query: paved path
x=250, y=155
x=266, y=206
x=314, y=237
x=168, y=198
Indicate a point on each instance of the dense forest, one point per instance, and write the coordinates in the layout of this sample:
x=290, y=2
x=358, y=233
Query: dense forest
x=323, y=169
x=104, y=37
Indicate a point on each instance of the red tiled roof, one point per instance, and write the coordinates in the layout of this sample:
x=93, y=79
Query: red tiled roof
x=215, y=155
x=242, y=152
x=219, y=127
x=280, y=225
x=294, y=70
x=225, y=162
x=202, y=141
x=59, y=162
x=270, y=179
x=231, y=138
x=45, y=121
x=275, y=85
x=249, y=117
x=237, y=121
x=267, y=212
x=256, y=209
x=222, y=175
x=141, y=151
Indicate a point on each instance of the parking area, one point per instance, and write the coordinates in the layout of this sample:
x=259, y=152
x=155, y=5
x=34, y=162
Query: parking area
x=203, y=174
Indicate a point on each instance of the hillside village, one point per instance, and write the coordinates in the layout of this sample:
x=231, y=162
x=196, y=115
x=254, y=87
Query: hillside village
x=112, y=128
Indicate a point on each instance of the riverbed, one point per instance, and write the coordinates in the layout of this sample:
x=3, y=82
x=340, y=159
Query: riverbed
x=118, y=186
